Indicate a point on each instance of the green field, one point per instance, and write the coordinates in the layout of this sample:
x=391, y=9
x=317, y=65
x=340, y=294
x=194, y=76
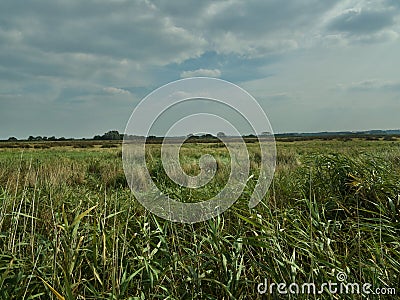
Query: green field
x=70, y=227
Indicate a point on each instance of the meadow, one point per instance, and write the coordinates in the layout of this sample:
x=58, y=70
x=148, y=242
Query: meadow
x=70, y=227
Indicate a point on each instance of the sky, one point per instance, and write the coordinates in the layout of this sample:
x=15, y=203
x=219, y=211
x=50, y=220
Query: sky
x=79, y=68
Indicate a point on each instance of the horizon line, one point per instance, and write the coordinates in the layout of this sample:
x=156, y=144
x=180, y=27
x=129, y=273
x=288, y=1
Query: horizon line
x=325, y=132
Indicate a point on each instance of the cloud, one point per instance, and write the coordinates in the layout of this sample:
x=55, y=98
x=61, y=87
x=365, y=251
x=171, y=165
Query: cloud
x=371, y=85
x=279, y=97
x=251, y=28
x=362, y=21
x=116, y=29
x=115, y=91
x=100, y=54
x=201, y=72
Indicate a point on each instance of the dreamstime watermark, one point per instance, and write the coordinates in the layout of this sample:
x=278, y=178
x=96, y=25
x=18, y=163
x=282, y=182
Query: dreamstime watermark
x=339, y=287
x=205, y=105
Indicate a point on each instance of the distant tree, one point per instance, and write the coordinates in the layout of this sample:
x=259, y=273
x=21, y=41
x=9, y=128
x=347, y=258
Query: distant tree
x=221, y=134
x=12, y=139
x=52, y=138
x=31, y=138
x=112, y=135
x=207, y=136
x=132, y=137
x=265, y=133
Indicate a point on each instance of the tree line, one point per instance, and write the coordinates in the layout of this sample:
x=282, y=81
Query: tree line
x=112, y=135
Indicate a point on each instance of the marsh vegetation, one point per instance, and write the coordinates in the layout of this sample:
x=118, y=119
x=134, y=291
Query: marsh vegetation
x=70, y=227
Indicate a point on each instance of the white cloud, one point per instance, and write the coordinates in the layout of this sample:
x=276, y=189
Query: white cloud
x=115, y=91
x=201, y=72
x=372, y=85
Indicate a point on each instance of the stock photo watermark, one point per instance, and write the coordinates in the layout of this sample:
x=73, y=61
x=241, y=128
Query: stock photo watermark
x=340, y=286
x=205, y=105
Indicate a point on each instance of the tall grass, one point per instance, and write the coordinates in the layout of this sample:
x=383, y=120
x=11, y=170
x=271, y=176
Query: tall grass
x=70, y=228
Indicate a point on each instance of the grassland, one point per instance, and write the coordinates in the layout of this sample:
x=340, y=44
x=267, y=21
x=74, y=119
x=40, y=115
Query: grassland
x=70, y=227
